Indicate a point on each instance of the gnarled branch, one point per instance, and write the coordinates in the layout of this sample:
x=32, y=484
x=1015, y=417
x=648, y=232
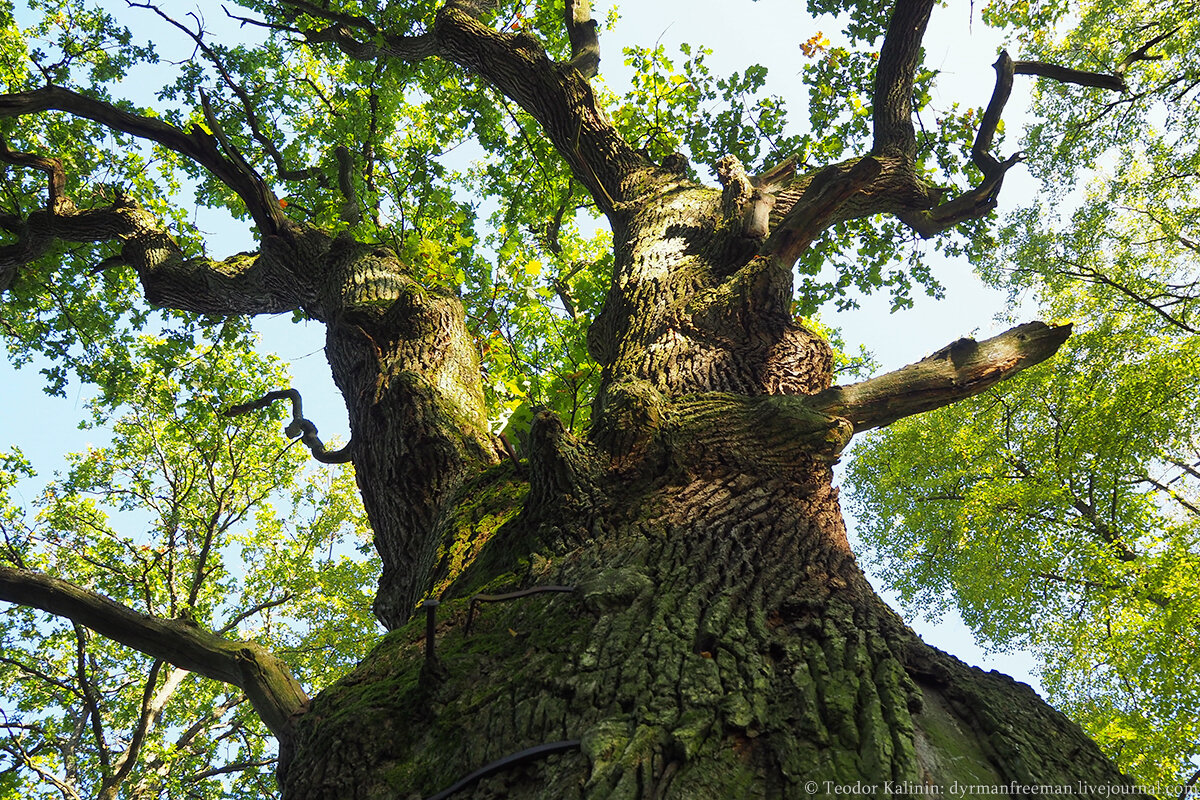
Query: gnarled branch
x=274, y=693
x=819, y=204
x=982, y=198
x=299, y=426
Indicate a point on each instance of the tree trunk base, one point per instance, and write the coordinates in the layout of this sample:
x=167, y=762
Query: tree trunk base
x=721, y=642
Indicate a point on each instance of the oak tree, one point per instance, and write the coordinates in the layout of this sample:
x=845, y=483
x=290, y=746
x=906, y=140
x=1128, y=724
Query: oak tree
x=596, y=465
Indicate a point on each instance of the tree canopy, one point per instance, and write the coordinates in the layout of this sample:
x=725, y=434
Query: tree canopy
x=1057, y=510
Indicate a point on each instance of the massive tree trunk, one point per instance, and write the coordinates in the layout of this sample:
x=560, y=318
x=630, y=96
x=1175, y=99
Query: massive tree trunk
x=700, y=625
x=718, y=638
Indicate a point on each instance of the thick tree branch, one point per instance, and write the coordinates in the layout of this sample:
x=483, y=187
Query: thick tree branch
x=898, y=60
x=298, y=427
x=245, y=283
x=955, y=372
x=558, y=96
x=266, y=680
x=1096, y=80
x=818, y=206
x=198, y=145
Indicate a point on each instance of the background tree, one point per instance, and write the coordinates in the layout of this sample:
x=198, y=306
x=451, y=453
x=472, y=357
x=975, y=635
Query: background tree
x=1058, y=512
x=699, y=622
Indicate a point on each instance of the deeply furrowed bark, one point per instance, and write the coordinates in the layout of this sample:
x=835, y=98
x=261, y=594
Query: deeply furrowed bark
x=721, y=640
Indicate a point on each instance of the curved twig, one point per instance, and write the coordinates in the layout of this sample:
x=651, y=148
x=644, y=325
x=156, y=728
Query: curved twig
x=298, y=427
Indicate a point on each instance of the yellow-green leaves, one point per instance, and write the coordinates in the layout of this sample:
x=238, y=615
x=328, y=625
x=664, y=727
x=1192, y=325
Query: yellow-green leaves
x=1061, y=512
x=185, y=513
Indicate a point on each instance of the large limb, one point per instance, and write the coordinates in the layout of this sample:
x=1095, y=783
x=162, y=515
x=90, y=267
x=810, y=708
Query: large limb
x=267, y=682
x=246, y=283
x=898, y=60
x=959, y=370
x=555, y=94
x=780, y=431
x=199, y=145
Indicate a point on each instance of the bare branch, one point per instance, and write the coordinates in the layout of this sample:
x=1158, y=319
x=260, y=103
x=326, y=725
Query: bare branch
x=1096, y=80
x=275, y=694
x=981, y=200
x=955, y=372
x=299, y=426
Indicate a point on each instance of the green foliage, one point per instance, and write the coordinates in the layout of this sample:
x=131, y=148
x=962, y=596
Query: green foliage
x=186, y=514
x=1057, y=512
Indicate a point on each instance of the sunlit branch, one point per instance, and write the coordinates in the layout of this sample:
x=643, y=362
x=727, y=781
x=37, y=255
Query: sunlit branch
x=298, y=427
x=197, y=144
x=275, y=694
x=955, y=372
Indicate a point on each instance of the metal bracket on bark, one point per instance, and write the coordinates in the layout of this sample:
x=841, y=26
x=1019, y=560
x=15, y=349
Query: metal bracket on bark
x=499, y=598
x=515, y=759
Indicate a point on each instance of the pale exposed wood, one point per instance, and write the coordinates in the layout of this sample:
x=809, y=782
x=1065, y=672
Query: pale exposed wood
x=955, y=372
